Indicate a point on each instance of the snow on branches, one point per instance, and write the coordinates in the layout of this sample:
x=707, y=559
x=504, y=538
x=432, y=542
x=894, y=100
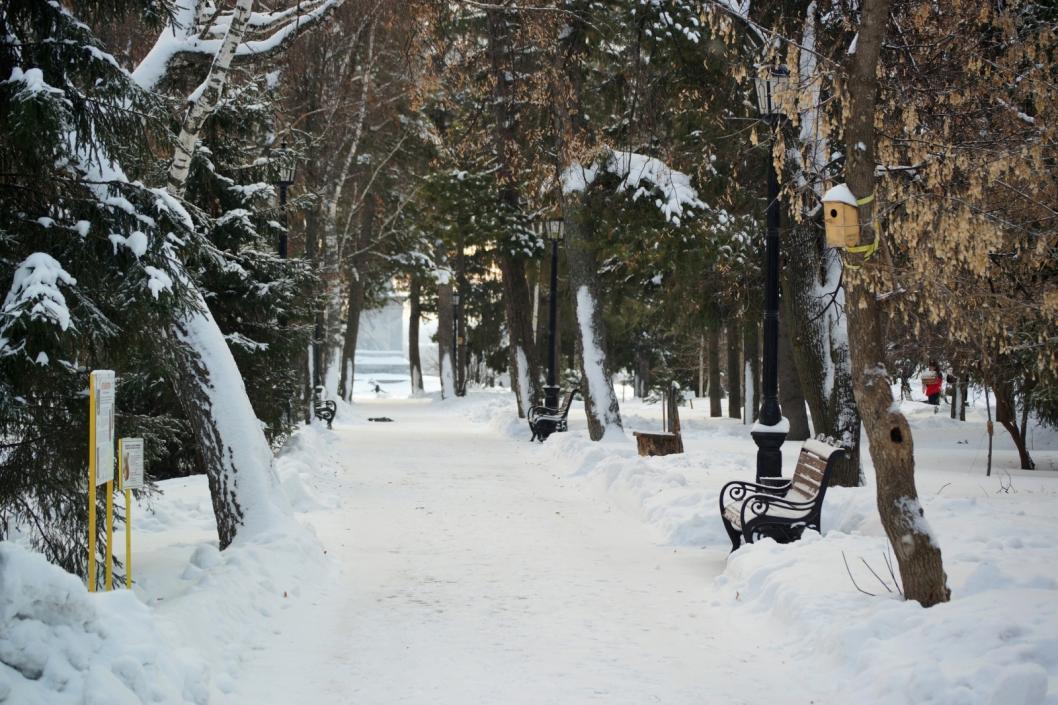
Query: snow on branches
x=641, y=176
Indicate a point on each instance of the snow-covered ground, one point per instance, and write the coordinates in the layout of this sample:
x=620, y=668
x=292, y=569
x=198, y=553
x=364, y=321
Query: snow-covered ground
x=447, y=560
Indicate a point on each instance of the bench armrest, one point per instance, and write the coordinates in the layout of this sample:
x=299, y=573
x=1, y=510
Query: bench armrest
x=738, y=490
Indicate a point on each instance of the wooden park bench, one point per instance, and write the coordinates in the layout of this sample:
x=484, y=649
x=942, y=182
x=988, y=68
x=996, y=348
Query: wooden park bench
x=669, y=441
x=782, y=509
x=324, y=409
x=543, y=420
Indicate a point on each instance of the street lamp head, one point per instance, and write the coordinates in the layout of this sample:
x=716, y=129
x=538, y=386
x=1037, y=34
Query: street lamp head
x=771, y=82
x=553, y=229
x=285, y=164
x=455, y=299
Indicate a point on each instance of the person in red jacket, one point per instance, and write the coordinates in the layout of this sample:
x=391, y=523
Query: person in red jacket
x=933, y=383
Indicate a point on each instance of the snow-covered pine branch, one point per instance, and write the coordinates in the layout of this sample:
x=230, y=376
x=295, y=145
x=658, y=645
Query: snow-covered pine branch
x=184, y=41
x=641, y=176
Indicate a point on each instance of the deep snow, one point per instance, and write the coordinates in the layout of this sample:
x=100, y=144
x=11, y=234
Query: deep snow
x=448, y=560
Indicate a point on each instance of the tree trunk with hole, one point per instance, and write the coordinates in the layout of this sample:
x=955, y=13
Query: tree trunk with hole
x=716, y=391
x=791, y=398
x=734, y=373
x=892, y=449
x=415, y=315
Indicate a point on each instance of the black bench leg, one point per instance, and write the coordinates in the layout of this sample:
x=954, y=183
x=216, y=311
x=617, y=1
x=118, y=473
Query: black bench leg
x=735, y=536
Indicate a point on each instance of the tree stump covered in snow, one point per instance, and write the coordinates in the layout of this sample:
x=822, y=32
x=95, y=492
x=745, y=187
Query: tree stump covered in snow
x=669, y=441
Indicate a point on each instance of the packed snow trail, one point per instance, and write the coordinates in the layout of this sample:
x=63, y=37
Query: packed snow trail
x=468, y=572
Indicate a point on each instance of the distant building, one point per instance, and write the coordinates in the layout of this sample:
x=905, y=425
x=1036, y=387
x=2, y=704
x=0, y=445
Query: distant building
x=381, y=340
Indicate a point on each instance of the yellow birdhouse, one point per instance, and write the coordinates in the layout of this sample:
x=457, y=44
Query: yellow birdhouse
x=841, y=216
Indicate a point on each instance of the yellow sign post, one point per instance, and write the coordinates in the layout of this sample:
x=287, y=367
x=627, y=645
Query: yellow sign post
x=130, y=477
x=100, y=463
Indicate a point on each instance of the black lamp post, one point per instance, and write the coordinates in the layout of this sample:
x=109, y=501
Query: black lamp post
x=286, y=178
x=554, y=234
x=455, y=343
x=770, y=430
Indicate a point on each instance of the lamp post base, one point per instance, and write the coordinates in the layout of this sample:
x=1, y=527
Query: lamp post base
x=769, y=453
x=551, y=396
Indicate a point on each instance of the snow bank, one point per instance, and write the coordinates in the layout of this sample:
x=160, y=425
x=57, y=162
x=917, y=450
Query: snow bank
x=993, y=644
x=182, y=634
x=59, y=644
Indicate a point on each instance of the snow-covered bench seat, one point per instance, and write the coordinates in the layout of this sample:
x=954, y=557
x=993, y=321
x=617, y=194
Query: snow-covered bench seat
x=543, y=420
x=784, y=509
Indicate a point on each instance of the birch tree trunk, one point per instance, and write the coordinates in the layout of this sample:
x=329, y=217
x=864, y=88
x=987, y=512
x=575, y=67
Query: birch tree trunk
x=917, y=552
x=415, y=315
x=230, y=442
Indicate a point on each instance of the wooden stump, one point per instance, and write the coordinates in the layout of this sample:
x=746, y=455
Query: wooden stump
x=658, y=443
x=667, y=442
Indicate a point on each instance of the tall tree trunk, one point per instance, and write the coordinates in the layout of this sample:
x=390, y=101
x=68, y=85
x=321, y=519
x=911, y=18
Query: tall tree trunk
x=415, y=315
x=353, y=306
x=1006, y=414
x=791, y=398
x=715, y=389
x=642, y=388
x=818, y=334
x=600, y=401
x=566, y=80
x=734, y=374
x=917, y=552
x=524, y=361
x=445, y=363
x=523, y=352
x=230, y=442
x=751, y=352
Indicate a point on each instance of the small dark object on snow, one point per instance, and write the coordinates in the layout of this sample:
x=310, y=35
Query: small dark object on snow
x=324, y=409
x=543, y=420
x=782, y=510
x=379, y=418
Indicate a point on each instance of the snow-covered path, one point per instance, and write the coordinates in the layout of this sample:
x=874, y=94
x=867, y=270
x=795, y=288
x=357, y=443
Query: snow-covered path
x=465, y=571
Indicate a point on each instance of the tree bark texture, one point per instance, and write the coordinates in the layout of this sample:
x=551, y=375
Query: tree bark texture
x=734, y=373
x=415, y=316
x=353, y=306
x=600, y=401
x=229, y=441
x=518, y=304
x=892, y=450
x=751, y=353
x=791, y=398
x=1006, y=415
x=818, y=335
x=445, y=363
x=716, y=391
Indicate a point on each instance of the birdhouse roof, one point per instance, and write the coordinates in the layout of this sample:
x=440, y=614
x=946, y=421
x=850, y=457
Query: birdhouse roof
x=841, y=194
